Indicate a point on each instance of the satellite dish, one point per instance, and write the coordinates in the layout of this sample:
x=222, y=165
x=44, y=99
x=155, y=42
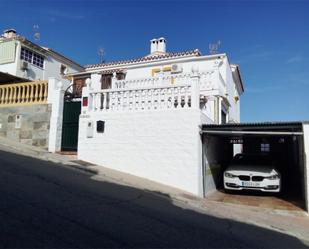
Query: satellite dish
x=36, y=33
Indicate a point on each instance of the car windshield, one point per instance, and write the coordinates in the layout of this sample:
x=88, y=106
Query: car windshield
x=242, y=159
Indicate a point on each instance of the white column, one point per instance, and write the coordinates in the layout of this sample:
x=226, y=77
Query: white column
x=306, y=163
x=86, y=93
x=219, y=107
x=114, y=78
x=195, y=88
x=57, y=101
x=96, y=81
x=52, y=86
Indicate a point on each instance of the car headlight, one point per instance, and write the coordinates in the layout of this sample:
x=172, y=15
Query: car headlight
x=226, y=174
x=273, y=177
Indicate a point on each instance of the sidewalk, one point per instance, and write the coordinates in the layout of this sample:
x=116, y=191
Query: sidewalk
x=295, y=223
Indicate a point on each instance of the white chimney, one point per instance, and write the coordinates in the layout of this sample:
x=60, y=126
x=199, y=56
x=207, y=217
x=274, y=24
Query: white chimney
x=153, y=46
x=9, y=33
x=161, y=45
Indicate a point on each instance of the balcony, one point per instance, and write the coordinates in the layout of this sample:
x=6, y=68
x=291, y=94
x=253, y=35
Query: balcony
x=179, y=91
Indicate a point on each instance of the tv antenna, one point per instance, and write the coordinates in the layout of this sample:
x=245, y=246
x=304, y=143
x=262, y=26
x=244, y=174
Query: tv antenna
x=213, y=47
x=101, y=53
x=36, y=33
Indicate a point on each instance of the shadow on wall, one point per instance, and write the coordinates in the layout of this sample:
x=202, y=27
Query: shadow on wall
x=46, y=205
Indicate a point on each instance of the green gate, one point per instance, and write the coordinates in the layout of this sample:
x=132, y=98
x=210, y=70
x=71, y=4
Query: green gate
x=71, y=112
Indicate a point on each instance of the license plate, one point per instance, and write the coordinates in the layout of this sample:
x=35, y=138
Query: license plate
x=250, y=184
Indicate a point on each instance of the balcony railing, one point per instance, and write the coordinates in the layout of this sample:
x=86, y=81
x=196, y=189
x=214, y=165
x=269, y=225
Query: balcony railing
x=209, y=81
x=165, y=92
x=172, y=97
x=168, y=80
x=28, y=93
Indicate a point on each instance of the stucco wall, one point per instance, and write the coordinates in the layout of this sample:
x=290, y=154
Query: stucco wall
x=162, y=146
x=32, y=127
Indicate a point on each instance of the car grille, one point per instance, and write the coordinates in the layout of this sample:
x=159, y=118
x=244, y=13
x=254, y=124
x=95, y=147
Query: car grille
x=244, y=178
x=257, y=178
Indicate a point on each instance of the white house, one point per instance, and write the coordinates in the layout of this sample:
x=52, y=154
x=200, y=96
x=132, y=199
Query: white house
x=143, y=116
x=22, y=60
x=27, y=99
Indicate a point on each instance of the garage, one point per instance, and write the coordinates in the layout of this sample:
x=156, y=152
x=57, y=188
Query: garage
x=285, y=143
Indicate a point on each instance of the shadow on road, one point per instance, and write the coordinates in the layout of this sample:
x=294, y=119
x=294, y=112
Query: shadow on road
x=45, y=205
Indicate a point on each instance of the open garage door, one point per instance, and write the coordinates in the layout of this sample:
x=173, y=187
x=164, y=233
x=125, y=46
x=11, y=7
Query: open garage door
x=284, y=143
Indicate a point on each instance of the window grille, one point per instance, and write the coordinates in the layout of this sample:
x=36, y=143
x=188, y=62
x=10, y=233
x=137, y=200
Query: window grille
x=32, y=57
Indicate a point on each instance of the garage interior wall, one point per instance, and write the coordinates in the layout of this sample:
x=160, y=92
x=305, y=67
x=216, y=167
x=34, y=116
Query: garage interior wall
x=215, y=151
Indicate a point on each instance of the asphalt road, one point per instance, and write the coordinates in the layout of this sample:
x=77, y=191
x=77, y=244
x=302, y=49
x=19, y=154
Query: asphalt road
x=44, y=205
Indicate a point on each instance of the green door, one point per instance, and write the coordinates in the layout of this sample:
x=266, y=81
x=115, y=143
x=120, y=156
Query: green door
x=71, y=111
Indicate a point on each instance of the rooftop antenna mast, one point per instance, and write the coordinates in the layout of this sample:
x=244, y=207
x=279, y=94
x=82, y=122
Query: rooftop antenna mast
x=101, y=53
x=36, y=33
x=213, y=47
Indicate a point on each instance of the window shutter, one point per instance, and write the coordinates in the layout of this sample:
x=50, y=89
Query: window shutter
x=7, y=52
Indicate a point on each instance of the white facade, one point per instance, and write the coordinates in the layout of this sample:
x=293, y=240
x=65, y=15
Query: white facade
x=40, y=63
x=152, y=118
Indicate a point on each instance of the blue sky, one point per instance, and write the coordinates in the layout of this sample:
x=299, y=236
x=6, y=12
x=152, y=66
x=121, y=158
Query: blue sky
x=268, y=39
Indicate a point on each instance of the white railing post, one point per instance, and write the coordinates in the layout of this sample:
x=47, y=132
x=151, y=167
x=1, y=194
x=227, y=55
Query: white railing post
x=114, y=78
x=86, y=94
x=195, y=88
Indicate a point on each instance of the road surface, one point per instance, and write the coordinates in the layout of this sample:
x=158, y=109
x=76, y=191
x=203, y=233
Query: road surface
x=44, y=205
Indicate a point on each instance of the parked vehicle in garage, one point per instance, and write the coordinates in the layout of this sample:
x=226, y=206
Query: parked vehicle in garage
x=254, y=172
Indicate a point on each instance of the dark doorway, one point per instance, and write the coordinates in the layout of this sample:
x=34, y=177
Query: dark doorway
x=71, y=112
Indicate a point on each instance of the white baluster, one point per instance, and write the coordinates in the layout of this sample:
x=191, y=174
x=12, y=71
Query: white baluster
x=111, y=101
x=151, y=91
x=104, y=107
x=173, y=98
x=149, y=99
x=186, y=97
x=165, y=99
x=130, y=101
x=178, y=98
x=139, y=99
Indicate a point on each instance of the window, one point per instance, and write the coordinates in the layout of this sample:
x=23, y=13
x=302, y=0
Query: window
x=26, y=55
x=106, y=81
x=265, y=147
x=120, y=76
x=63, y=69
x=38, y=60
x=32, y=57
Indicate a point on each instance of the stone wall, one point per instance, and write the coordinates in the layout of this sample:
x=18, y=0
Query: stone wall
x=26, y=124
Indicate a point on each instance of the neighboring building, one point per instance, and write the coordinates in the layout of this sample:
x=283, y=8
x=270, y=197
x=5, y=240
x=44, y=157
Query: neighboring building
x=27, y=99
x=143, y=116
x=21, y=60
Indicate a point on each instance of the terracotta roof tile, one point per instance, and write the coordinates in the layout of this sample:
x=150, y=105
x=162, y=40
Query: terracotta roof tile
x=194, y=52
